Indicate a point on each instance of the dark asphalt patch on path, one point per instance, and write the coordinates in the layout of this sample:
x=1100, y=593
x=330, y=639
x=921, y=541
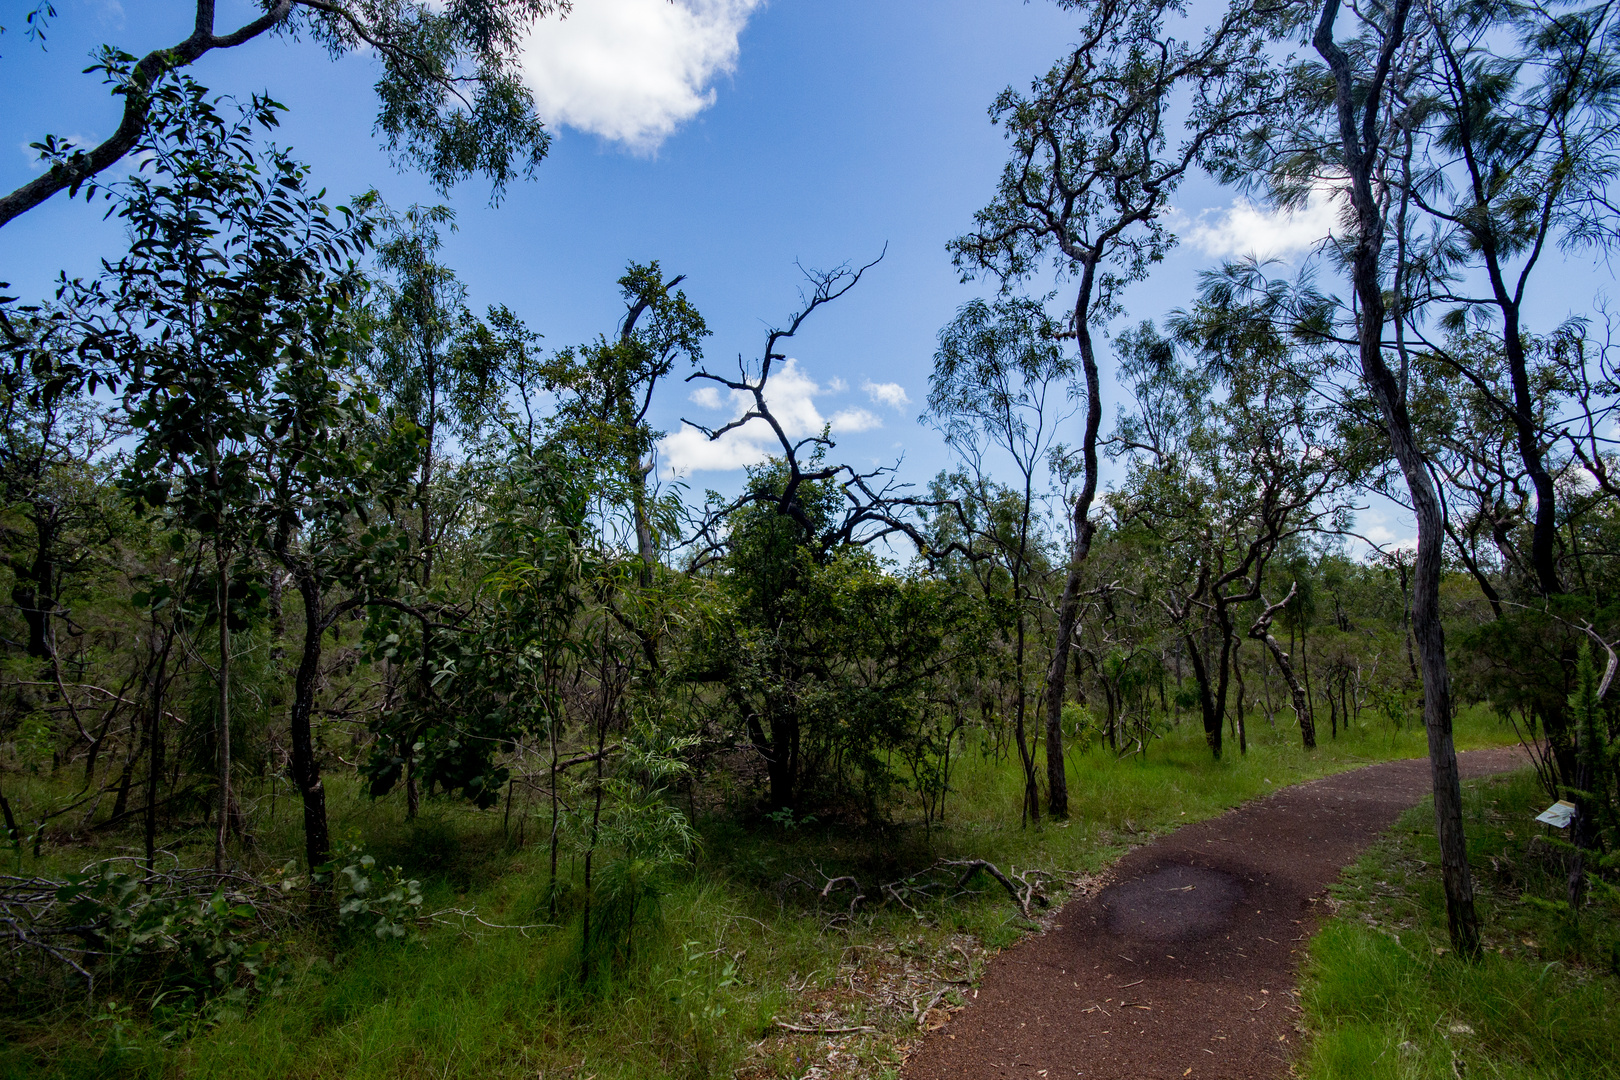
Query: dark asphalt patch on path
x=1185, y=965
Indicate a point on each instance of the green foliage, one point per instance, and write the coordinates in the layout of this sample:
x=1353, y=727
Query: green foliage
x=436, y=549
x=1387, y=999
x=382, y=903
x=498, y=676
x=826, y=657
x=188, y=951
x=645, y=839
x=1081, y=726
x=452, y=100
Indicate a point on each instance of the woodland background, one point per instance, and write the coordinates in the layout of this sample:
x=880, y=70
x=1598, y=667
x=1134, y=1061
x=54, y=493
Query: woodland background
x=336, y=598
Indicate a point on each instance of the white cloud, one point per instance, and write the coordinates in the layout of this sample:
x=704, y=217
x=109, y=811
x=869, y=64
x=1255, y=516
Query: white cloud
x=891, y=394
x=791, y=395
x=855, y=420
x=1245, y=228
x=1376, y=528
x=706, y=396
x=633, y=70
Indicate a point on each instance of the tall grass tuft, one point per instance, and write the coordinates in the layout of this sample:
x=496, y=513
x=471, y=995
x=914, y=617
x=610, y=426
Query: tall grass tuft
x=1385, y=998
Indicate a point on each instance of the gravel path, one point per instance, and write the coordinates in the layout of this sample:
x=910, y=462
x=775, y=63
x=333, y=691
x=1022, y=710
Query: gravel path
x=1185, y=965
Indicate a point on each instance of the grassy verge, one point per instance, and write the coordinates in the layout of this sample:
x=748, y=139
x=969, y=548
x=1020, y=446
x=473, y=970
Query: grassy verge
x=1384, y=998
x=742, y=947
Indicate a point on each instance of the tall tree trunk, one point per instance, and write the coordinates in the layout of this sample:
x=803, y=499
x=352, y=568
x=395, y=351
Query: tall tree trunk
x=154, y=766
x=1026, y=752
x=1361, y=150
x=223, y=735
x=1305, y=670
x=306, y=767
x=33, y=586
x=1237, y=674
x=1261, y=632
x=1206, y=697
x=1057, y=784
x=1223, y=672
x=121, y=803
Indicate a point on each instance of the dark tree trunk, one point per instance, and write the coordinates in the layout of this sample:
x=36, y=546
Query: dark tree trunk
x=1237, y=674
x=1057, y=785
x=1360, y=150
x=33, y=587
x=121, y=803
x=1305, y=672
x=1206, y=697
x=780, y=754
x=28, y=603
x=154, y=765
x=1026, y=752
x=223, y=733
x=306, y=766
x=13, y=834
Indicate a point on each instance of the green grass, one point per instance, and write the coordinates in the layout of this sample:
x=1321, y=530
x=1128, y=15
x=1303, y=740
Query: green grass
x=1384, y=997
x=739, y=944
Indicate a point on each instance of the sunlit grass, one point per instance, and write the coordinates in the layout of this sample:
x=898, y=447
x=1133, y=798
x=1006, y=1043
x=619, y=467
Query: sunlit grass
x=1385, y=998
x=508, y=1003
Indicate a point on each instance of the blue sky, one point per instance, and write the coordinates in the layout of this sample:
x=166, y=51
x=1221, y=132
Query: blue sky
x=726, y=138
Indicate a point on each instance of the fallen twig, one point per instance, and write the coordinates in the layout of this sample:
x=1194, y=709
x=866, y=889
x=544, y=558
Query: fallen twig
x=801, y=1029
x=921, y=1016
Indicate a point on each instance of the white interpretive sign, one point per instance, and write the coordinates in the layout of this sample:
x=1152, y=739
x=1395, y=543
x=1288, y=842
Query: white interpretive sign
x=1559, y=814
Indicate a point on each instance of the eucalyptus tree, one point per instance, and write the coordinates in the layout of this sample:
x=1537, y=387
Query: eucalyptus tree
x=829, y=660
x=230, y=259
x=605, y=389
x=429, y=365
x=452, y=100
x=1091, y=172
x=437, y=377
x=868, y=508
x=790, y=543
x=1347, y=129
x=1230, y=459
x=325, y=472
x=1350, y=128
x=998, y=392
x=1511, y=157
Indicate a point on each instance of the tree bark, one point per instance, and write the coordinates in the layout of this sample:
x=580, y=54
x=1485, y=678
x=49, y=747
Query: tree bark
x=154, y=766
x=1057, y=784
x=1360, y=150
x=223, y=735
x=1261, y=632
x=83, y=166
x=306, y=767
x=1206, y=697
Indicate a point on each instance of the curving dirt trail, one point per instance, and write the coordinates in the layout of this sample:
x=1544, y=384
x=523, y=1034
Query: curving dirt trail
x=1185, y=965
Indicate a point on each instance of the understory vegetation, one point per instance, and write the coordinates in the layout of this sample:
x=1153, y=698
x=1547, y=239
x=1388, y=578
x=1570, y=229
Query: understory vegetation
x=376, y=696
x=1384, y=996
x=745, y=941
